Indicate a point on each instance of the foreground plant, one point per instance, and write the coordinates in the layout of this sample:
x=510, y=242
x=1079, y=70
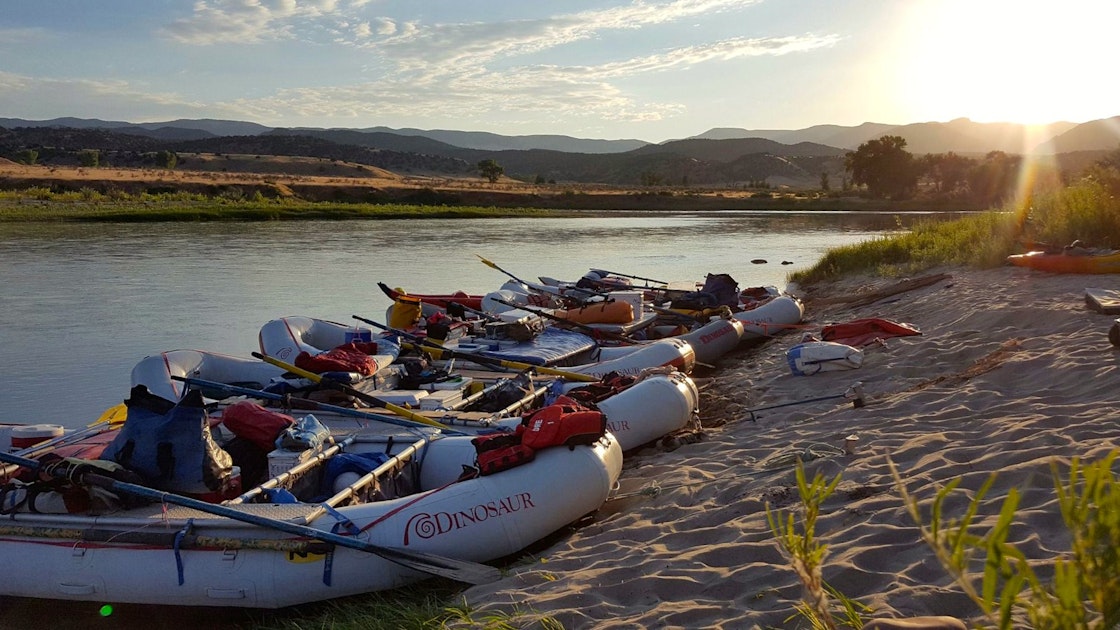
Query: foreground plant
x=1085, y=589
x=806, y=555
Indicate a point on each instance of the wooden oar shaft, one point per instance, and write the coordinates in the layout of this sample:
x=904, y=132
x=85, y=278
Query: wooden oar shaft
x=590, y=329
x=346, y=411
x=626, y=275
x=356, y=393
x=439, y=351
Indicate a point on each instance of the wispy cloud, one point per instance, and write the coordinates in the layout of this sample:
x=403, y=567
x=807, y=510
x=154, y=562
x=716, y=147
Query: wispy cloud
x=581, y=92
x=110, y=99
x=435, y=47
x=24, y=36
x=468, y=70
x=255, y=21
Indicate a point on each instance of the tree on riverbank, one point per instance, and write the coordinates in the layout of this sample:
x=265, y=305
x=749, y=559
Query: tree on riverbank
x=491, y=170
x=885, y=167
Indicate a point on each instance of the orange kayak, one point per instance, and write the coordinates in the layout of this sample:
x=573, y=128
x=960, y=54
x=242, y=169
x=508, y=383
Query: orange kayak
x=1107, y=262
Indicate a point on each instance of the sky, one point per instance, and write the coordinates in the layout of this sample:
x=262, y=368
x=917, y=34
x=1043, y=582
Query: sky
x=652, y=70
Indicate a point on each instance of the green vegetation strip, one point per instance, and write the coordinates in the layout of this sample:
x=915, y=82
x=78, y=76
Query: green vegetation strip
x=1088, y=211
x=44, y=206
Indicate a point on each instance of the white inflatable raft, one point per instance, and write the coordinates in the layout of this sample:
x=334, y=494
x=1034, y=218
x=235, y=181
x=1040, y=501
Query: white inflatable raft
x=286, y=337
x=771, y=318
x=172, y=555
x=155, y=371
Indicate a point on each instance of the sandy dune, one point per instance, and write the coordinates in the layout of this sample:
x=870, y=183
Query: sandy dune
x=1011, y=371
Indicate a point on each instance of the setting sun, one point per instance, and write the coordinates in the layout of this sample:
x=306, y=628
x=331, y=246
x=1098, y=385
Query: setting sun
x=1005, y=61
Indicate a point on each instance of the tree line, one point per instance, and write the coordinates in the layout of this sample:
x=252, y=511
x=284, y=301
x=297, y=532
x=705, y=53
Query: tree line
x=889, y=171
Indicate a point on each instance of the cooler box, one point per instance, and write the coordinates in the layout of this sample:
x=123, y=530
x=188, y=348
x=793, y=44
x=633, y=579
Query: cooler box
x=460, y=383
x=634, y=298
x=29, y=435
x=441, y=399
x=410, y=397
x=282, y=460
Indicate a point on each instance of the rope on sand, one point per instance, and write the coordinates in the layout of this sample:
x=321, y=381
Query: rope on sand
x=854, y=393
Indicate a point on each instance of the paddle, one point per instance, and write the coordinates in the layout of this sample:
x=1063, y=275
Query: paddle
x=474, y=311
x=113, y=415
x=493, y=265
x=311, y=404
x=540, y=288
x=428, y=346
x=110, y=419
x=686, y=316
x=452, y=568
x=352, y=391
x=594, y=332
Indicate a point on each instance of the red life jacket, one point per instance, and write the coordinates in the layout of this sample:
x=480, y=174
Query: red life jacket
x=564, y=423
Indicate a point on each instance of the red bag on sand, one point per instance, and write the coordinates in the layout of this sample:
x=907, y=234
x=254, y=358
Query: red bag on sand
x=255, y=423
x=861, y=332
x=345, y=358
x=563, y=424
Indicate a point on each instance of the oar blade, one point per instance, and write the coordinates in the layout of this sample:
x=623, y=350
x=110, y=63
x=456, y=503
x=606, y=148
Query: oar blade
x=112, y=416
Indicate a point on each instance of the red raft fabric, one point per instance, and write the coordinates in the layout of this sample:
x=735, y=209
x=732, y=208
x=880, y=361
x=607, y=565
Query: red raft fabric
x=862, y=332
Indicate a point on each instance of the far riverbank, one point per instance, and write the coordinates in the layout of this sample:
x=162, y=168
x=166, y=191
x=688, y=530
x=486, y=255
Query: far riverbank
x=344, y=197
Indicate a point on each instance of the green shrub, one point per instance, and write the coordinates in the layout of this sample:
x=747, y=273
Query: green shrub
x=806, y=555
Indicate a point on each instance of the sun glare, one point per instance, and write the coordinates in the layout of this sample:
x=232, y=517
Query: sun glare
x=1024, y=61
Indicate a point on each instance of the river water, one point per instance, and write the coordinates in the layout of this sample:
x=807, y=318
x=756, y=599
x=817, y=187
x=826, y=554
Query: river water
x=81, y=304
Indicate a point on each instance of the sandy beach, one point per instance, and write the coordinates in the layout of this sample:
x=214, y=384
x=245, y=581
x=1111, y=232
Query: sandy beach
x=1012, y=370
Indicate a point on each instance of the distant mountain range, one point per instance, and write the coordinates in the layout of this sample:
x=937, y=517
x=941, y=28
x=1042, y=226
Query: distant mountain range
x=721, y=156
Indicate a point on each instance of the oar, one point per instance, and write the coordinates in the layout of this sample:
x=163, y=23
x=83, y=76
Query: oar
x=110, y=419
x=584, y=327
x=113, y=415
x=483, y=314
x=311, y=404
x=65, y=439
x=453, y=568
x=623, y=275
x=479, y=358
x=670, y=312
x=492, y=265
x=352, y=391
x=540, y=288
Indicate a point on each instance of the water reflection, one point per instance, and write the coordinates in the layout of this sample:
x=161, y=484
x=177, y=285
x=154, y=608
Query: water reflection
x=83, y=303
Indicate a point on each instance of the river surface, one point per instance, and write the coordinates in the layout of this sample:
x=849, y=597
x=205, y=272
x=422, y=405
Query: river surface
x=81, y=304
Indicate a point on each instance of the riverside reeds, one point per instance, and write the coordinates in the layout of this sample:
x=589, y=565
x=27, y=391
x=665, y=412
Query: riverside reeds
x=1085, y=211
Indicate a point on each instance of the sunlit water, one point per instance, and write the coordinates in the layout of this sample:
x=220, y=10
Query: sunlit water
x=81, y=304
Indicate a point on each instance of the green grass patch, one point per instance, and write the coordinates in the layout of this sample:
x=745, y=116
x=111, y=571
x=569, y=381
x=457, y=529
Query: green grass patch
x=1085, y=211
x=42, y=205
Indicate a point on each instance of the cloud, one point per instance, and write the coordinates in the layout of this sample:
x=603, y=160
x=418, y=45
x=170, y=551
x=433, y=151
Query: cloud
x=509, y=70
x=244, y=21
x=256, y=21
x=435, y=47
x=575, y=92
x=12, y=37
x=120, y=100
